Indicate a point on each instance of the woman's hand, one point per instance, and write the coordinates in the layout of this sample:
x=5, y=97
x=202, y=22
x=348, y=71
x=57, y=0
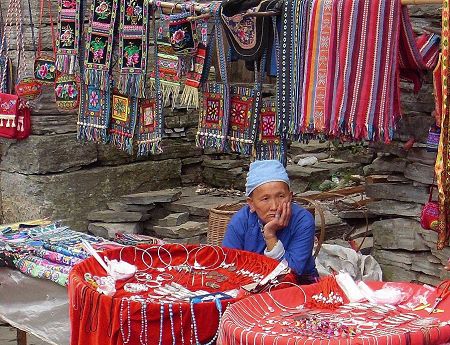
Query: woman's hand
x=281, y=220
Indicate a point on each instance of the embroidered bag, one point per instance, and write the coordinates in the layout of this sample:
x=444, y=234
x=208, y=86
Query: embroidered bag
x=45, y=64
x=214, y=116
x=67, y=95
x=245, y=103
x=429, y=216
x=434, y=134
x=269, y=144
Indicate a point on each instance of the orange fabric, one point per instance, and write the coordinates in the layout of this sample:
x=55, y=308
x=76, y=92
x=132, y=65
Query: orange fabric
x=95, y=318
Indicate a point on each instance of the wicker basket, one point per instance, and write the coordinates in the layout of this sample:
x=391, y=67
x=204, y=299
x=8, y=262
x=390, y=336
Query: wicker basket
x=221, y=215
x=218, y=221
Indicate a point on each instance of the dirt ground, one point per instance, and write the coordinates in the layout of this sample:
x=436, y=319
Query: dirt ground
x=8, y=336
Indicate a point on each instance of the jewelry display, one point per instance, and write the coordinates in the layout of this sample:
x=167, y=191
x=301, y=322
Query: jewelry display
x=163, y=279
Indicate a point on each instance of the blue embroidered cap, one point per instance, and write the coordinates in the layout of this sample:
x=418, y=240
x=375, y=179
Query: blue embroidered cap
x=261, y=172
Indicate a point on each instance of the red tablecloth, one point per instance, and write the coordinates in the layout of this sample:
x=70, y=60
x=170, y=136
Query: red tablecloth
x=99, y=319
x=249, y=321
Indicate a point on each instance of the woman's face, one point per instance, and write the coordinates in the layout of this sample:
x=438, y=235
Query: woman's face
x=266, y=199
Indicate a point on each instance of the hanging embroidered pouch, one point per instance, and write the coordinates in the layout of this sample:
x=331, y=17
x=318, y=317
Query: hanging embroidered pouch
x=28, y=88
x=123, y=121
x=45, y=64
x=429, y=217
x=67, y=93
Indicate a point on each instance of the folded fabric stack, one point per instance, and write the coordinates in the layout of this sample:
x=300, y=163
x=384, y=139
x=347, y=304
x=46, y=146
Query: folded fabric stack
x=46, y=252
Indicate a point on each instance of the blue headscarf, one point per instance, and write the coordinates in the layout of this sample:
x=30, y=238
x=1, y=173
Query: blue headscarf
x=261, y=172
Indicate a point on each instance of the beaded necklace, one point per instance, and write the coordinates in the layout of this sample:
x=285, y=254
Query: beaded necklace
x=126, y=339
x=172, y=329
x=161, y=325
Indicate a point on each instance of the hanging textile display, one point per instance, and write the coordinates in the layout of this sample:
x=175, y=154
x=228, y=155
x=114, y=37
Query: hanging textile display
x=99, y=43
x=183, y=36
x=68, y=36
x=442, y=160
x=316, y=96
x=166, y=64
x=150, y=123
x=269, y=144
x=45, y=64
x=248, y=35
x=148, y=133
x=214, y=116
x=290, y=68
x=123, y=121
x=133, y=43
x=94, y=114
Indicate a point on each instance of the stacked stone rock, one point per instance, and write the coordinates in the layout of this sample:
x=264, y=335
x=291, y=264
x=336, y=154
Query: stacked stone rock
x=173, y=215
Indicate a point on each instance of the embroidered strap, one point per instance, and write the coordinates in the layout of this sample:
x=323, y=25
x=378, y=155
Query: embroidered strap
x=14, y=8
x=33, y=36
x=133, y=34
x=41, y=15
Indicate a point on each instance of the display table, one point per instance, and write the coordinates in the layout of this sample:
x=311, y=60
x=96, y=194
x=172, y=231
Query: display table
x=144, y=317
x=36, y=306
x=277, y=318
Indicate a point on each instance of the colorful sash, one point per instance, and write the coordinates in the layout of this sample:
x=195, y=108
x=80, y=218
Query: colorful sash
x=94, y=114
x=123, y=121
x=214, y=116
x=269, y=144
x=68, y=36
x=99, y=43
x=190, y=97
x=437, y=91
x=316, y=94
x=442, y=160
x=133, y=43
x=150, y=123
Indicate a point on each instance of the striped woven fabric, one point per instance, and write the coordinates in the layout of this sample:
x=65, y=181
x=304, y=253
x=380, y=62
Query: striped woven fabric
x=340, y=67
